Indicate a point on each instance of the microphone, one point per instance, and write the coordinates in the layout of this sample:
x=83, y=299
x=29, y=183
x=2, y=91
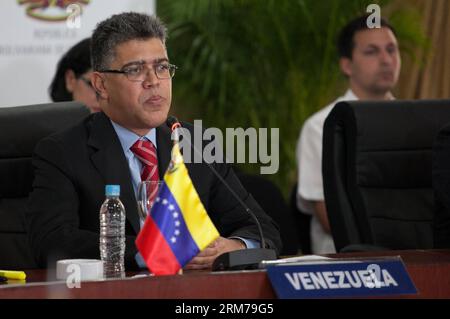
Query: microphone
x=238, y=259
x=173, y=123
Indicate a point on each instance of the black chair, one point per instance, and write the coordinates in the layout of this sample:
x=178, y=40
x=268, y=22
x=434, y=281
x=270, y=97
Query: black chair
x=441, y=186
x=302, y=223
x=377, y=173
x=20, y=129
x=269, y=197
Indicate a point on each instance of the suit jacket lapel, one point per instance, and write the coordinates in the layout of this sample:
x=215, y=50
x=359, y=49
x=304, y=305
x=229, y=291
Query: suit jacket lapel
x=110, y=161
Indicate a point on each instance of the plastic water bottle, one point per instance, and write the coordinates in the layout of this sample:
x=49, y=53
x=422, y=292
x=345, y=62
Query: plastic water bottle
x=112, y=233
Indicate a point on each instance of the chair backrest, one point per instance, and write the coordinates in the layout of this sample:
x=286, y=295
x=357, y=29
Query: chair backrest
x=377, y=172
x=21, y=128
x=269, y=197
x=302, y=223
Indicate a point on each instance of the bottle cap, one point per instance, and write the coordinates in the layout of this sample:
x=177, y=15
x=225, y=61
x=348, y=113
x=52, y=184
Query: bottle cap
x=112, y=190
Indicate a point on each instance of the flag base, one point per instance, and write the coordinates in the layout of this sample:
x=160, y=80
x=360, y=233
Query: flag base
x=243, y=259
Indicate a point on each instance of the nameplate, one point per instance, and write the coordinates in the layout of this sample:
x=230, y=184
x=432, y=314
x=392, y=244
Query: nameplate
x=341, y=279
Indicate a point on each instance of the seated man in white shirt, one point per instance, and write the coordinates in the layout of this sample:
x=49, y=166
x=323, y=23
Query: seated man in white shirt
x=370, y=59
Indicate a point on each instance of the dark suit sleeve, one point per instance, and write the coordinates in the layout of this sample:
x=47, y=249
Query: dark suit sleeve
x=441, y=186
x=53, y=211
x=233, y=220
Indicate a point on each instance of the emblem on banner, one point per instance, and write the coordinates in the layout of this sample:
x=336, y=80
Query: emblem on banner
x=51, y=10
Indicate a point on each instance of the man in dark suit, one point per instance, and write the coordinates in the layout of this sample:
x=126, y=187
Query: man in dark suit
x=133, y=80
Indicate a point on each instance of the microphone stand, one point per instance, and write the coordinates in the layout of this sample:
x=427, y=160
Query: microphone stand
x=237, y=259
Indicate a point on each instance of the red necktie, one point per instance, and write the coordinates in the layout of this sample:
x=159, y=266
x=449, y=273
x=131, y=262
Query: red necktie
x=145, y=151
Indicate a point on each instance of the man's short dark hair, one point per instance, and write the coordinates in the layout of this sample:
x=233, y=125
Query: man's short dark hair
x=119, y=29
x=346, y=39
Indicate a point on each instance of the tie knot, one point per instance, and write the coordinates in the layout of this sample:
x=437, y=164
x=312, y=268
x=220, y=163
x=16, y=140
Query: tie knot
x=145, y=151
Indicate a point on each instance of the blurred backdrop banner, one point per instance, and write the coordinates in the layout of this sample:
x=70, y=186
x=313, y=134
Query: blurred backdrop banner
x=34, y=34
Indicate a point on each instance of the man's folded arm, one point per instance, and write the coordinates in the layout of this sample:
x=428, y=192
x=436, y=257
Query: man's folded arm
x=234, y=220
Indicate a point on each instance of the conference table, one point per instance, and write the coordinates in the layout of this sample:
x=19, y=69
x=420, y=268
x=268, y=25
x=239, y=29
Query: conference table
x=428, y=269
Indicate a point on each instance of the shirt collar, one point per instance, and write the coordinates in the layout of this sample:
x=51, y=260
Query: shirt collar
x=128, y=138
x=350, y=96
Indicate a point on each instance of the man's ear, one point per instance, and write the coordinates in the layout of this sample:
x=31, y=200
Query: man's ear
x=98, y=83
x=346, y=66
x=70, y=79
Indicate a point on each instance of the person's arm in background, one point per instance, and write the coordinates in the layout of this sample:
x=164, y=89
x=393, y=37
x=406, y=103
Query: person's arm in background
x=320, y=211
x=310, y=197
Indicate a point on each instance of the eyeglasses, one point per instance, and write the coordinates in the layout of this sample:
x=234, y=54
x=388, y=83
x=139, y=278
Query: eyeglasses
x=137, y=71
